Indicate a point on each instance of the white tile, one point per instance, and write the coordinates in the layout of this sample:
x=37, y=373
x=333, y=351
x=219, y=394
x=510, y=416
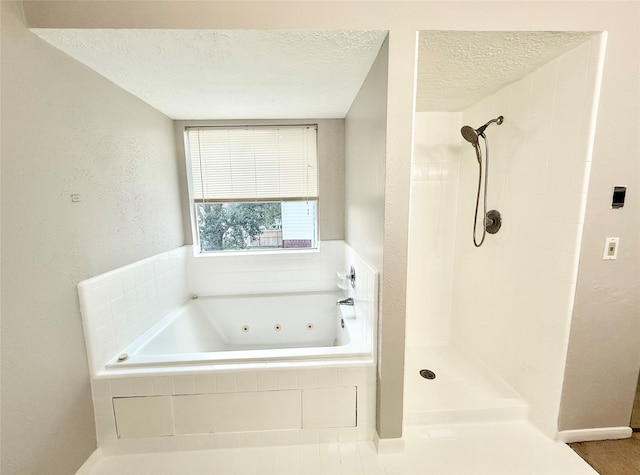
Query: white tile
x=366, y=395
x=99, y=315
x=249, y=439
x=287, y=379
x=226, y=383
x=103, y=408
x=329, y=407
x=205, y=383
x=105, y=429
x=118, y=306
x=149, y=273
x=184, y=384
x=227, y=440
x=209, y=442
x=143, y=416
x=289, y=437
x=307, y=378
x=246, y=382
x=165, y=444
x=163, y=385
x=352, y=376
x=327, y=377
x=142, y=387
x=310, y=436
x=121, y=387
x=101, y=294
x=128, y=281
x=267, y=381
x=269, y=438
x=115, y=285
x=514, y=448
x=101, y=389
x=105, y=334
x=366, y=429
x=347, y=434
x=139, y=276
x=135, y=445
x=107, y=350
x=121, y=331
x=328, y=436
x=141, y=294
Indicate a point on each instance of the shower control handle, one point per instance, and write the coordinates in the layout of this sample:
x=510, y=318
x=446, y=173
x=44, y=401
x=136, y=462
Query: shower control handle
x=493, y=221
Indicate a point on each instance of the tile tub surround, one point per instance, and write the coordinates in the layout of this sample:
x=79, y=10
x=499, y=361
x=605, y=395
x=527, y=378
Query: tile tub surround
x=365, y=295
x=264, y=272
x=119, y=306
x=263, y=406
x=163, y=409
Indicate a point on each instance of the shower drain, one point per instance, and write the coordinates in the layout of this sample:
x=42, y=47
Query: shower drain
x=427, y=374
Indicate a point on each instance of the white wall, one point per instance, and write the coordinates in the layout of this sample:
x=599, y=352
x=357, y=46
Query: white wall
x=513, y=297
x=603, y=357
x=365, y=155
x=67, y=130
x=432, y=227
x=365, y=128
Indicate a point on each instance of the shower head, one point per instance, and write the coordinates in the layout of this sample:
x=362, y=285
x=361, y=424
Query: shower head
x=471, y=135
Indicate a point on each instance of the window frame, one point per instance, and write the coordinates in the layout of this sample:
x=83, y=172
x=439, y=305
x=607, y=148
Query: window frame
x=192, y=203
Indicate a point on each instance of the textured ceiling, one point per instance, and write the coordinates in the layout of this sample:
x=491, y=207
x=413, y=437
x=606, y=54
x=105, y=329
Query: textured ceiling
x=229, y=74
x=456, y=69
x=277, y=74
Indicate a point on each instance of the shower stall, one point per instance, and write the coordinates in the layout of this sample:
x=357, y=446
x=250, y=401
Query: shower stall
x=490, y=324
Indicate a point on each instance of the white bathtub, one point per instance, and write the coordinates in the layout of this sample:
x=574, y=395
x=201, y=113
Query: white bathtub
x=188, y=359
x=249, y=328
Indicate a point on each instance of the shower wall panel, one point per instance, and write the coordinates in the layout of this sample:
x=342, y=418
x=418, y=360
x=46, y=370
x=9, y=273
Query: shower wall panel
x=513, y=297
x=432, y=227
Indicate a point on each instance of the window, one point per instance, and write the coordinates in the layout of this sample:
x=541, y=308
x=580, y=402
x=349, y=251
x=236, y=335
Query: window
x=254, y=187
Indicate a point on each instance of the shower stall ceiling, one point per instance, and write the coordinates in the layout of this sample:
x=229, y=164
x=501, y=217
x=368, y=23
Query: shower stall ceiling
x=493, y=322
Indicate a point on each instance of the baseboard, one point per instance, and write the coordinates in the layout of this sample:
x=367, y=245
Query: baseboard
x=387, y=446
x=585, y=435
x=91, y=462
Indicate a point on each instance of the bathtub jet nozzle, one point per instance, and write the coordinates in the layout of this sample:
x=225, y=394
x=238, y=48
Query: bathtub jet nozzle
x=347, y=301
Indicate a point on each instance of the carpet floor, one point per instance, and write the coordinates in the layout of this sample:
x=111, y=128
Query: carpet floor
x=635, y=415
x=611, y=457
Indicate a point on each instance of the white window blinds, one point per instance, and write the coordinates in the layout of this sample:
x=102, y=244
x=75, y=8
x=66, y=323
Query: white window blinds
x=253, y=163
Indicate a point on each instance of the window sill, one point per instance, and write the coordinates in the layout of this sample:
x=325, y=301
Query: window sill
x=237, y=254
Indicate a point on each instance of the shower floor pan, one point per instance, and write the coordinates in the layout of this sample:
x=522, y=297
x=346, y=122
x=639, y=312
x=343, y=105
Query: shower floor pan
x=460, y=392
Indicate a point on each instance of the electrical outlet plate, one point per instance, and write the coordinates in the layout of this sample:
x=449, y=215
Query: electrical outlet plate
x=611, y=248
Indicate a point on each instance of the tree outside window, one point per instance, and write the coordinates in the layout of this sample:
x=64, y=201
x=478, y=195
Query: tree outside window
x=253, y=187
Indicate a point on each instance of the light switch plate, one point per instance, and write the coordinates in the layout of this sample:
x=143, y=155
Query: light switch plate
x=611, y=248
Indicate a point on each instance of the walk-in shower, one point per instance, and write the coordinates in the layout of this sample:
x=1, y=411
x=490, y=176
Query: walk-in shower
x=475, y=317
x=491, y=219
